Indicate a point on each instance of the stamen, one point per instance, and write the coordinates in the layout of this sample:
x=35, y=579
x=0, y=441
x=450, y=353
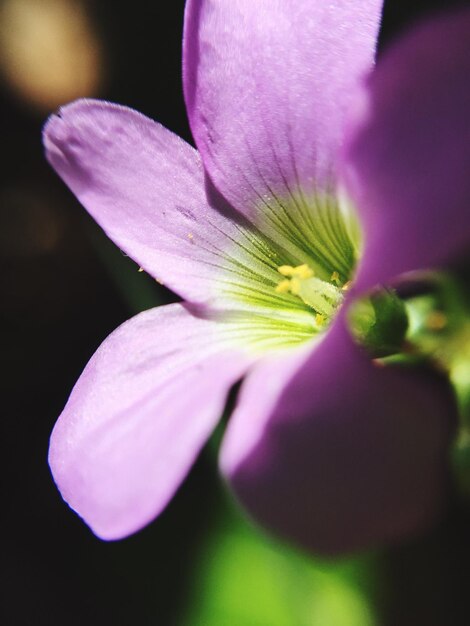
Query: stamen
x=301, y=271
x=286, y=270
x=283, y=287
x=295, y=286
x=322, y=296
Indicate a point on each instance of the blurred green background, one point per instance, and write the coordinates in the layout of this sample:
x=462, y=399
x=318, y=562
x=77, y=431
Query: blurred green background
x=64, y=287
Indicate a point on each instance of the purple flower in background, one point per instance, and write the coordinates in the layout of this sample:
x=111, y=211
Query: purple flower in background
x=255, y=233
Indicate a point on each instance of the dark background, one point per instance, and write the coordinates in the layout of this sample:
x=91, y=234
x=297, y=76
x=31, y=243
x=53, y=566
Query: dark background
x=60, y=298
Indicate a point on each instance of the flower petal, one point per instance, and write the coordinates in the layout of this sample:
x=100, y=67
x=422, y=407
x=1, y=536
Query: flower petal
x=138, y=416
x=408, y=155
x=145, y=186
x=336, y=453
x=267, y=84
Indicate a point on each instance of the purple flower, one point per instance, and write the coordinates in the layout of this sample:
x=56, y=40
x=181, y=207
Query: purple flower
x=255, y=234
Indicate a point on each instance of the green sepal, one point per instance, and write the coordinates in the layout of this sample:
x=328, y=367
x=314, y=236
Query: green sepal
x=379, y=322
x=440, y=332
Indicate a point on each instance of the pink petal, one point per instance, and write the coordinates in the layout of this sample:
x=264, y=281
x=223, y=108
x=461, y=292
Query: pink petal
x=145, y=187
x=267, y=85
x=408, y=154
x=138, y=416
x=335, y=453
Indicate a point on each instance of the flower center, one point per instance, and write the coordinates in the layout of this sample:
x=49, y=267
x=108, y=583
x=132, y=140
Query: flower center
x=322, y=296
x=287, y=273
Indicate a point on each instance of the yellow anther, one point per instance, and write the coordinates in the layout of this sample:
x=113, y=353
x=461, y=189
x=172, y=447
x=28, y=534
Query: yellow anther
x=141, y=269
x=283, y=287
x=190, y=236
x=335, y=278
x=300, y=271
x=295, y=286
x=320, y=319
x=346, y=286
x=303, y=271
x=286, y=270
